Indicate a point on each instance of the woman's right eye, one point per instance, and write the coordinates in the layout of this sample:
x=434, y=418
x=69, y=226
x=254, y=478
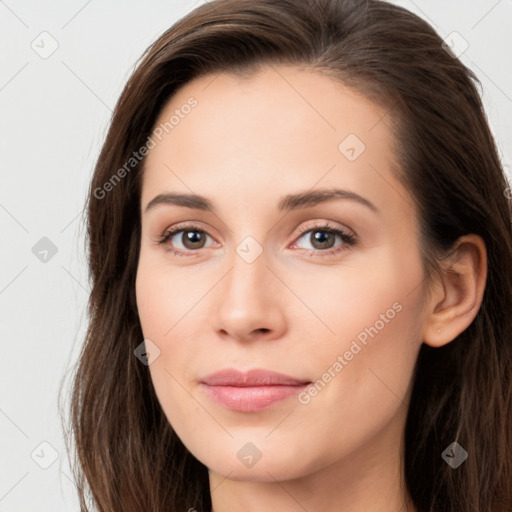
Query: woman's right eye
x=192, y=236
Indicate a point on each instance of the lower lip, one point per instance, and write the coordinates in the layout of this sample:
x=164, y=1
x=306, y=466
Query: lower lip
x=250, y=399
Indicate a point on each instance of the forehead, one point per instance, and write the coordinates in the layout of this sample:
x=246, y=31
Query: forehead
x=280, y=127
x=270, y=100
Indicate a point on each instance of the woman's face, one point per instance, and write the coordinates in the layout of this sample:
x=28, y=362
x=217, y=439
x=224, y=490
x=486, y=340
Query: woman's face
x=261, y=283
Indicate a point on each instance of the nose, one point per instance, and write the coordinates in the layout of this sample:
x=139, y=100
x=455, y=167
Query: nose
x=250, y=302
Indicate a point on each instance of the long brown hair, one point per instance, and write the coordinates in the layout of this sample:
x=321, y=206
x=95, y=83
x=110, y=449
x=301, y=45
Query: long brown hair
x=127, y=457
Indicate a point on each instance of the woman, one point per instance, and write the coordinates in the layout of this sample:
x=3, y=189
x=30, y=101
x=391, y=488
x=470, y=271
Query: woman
x=227, y=365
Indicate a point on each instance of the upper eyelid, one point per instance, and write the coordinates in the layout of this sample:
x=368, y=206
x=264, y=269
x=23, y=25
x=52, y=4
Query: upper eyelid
x=326, y=225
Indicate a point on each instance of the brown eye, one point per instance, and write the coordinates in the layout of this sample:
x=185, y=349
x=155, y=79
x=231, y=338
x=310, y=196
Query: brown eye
x=322, y=239
x=193, y=239
x=184, y=239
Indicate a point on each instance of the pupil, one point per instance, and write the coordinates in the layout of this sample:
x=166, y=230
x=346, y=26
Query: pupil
x=322, y=237
x=193, y=237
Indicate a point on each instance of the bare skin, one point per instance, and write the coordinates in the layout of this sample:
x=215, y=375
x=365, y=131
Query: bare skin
x=293, y=309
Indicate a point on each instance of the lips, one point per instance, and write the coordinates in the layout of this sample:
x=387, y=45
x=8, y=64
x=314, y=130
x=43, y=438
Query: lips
x=251, y=391
x=252, y=378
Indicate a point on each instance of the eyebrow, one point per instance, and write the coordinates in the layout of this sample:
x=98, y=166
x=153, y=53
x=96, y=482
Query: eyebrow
x=286, y=203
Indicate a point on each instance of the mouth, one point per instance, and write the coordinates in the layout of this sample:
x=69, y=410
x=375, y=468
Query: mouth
x=251, y=391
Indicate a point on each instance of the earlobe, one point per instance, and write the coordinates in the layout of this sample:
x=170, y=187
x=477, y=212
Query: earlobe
x=463, y=283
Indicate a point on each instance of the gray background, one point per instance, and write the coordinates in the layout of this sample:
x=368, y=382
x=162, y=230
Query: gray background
x=54, y=115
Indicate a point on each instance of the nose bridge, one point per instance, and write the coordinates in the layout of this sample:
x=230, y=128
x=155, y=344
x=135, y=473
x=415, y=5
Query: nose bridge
x=249, y=270
x=247, y=304
x=247, y=255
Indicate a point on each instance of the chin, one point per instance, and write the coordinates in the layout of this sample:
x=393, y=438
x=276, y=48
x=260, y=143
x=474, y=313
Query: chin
x=268, y=468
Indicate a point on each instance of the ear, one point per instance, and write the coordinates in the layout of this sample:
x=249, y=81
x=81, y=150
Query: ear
x=459, y=293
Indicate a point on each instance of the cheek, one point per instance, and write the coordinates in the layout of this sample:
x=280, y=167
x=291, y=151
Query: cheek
x=164, y=298
x=165, y=314
x=362, y=386
x=153, y=307
x=365, y=360
x=373, y=352
x=341, y=303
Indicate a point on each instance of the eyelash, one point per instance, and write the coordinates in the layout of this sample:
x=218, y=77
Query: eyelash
x=348, y=239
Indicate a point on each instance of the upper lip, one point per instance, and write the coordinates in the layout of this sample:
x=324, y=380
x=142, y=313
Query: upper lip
x=254, y=377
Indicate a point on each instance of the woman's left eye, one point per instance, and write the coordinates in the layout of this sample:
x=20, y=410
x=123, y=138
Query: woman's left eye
x=193, y=238
x=324, y=236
